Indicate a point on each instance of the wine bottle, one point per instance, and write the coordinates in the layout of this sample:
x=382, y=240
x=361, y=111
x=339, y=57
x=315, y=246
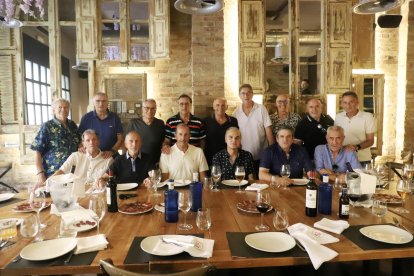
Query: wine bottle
x=344, y=204
x=111, y=198
x=171, y=203
x=311, y=196
x=196, y=190
x=325, y=196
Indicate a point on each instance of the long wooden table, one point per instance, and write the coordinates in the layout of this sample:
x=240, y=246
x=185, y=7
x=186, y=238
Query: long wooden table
x=121, y=229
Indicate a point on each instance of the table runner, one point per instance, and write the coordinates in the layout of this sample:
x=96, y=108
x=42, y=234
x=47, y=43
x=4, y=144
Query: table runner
x=365, y=243
x=10, y=201
x=240, y=249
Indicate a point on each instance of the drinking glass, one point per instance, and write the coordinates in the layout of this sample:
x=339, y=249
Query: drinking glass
x=403, y=190
x=240, y=174
x=285, y=173
x=354, y=189
x=66, y=230
x=281, y=220
x=273, y=182
x=367, y=167
x=262, y=205
x=155, y=177
x=408, y=172
x=98, y=206
x=379, y=208
x=29, y=227
x=37, y=201
x=8, y=230
x=208, y=183
x=382, y=175
x=184, y=203
x=216, y=175
x=203, y=219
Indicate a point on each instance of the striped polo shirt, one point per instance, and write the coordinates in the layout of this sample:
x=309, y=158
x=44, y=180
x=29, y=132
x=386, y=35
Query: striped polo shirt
x=196, y=125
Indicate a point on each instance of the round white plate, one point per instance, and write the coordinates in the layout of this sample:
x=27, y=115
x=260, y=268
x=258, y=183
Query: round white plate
x=46, y=250
x=270, y=241
x=234, y=182
x=126, y=186
x=83, y=227
x=5, y=221
x=26, y=207
x=6, y=196
x=387, y=234
x=300, y=181
x=155, y=246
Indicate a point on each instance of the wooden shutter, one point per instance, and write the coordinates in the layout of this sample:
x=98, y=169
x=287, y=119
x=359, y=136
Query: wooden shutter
x=159, y=29
x=87, y=30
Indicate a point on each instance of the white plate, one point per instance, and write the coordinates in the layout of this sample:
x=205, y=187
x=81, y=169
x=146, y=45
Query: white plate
x=46, y=250
x=153, y=245
x=5, y=221
x=83, y=227
x=270, y=241
x=387, y=234
x=6, y=196
x=234, y=182
x=300, y=181
x=126, y=186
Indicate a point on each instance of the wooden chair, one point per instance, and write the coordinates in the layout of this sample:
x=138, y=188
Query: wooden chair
x=108, y=269
x=394, y=167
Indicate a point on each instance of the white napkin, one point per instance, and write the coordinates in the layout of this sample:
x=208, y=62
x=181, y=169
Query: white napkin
x=312, y=240
x=205, y=250
x=335, y=226
x=77, y=215
x=92, y=243
x=368, y=182
x=257, y=187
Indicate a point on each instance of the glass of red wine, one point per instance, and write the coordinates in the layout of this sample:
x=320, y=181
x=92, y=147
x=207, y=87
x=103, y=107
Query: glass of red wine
x=262, y=205
x=354, y=190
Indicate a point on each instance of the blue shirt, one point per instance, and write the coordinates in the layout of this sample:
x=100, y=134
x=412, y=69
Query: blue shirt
x=55, y=143
x=107, y=129
x=274, y=157
x=324, y=159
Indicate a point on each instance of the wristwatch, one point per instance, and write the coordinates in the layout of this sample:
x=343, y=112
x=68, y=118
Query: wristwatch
x=358, y=147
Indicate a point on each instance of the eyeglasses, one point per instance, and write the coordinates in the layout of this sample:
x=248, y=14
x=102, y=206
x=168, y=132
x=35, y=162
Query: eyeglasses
x=282, y=102
x=149, y=108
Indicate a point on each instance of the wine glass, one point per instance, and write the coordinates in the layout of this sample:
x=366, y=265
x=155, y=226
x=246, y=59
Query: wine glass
x=203, y=219
x=37, y=201
x=98, y=206
x=262, y=205
x=184, y=203
x=216, y=175
x=66, y=229
x=281, y=220
x=368, y=167
x=382, y=174
x=29, y=227
x=285, y=173
x=408, y=172
x=354, y=189
x=155, y=176
x=240, y=174
x=208, y=183
x=403, y=190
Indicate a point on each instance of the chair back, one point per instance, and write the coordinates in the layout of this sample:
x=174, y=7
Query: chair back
x=394, y=167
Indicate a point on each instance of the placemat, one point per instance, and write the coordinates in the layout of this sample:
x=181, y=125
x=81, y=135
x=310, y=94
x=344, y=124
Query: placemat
x=76, y=260
x=10, y=201
x=365, y=243
x=138, y=256
x=239, y=248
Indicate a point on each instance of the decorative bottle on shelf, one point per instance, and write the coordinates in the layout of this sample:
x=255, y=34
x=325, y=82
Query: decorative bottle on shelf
x=311, y=196
x=111, y=197
x=196, y=190
x=344, y=204
x=171, y=203
x=325, y=196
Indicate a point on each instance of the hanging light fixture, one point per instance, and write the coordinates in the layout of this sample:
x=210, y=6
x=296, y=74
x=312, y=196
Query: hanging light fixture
x=10, y=9
x=12, y=23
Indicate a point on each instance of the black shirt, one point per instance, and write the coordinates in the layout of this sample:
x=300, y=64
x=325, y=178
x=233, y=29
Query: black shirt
x=244, y=158
x=312, y=132
x=123, y=171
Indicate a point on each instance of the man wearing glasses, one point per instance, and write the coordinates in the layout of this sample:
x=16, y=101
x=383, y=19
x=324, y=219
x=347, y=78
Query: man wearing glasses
x=311, y=130
x=150, y=129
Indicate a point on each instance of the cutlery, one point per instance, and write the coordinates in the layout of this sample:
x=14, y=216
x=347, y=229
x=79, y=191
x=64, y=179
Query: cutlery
x=7, y=244
x=3, y=243
x=398, y=224
x=196, y=244
x=15, y=260
x=296, y=241
x=67, y=260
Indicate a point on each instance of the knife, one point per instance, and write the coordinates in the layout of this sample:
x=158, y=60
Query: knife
x=179, y=243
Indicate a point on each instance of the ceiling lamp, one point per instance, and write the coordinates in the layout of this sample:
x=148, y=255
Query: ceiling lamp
x=80, y=65
x=12, y=23
x=199, y=6
x=374, y=6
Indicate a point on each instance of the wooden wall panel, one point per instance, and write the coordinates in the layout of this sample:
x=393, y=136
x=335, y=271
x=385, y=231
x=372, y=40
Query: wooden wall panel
x=159, y=29
x=87, y=30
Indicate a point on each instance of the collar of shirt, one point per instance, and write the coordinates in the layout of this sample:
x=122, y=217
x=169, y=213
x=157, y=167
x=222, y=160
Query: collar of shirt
x=310, y=119
x=281, y=152
x=90, y=156
x=129, y=156
x=59, y=122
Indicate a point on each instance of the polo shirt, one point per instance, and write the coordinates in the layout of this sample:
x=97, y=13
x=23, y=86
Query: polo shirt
x=152, y=136
x=252, y=128
x=274, y=157
x=86, y=165
x=126, y=171
x=181, y=165
x=215, y=135
x=244, y=158
x=356, y=129
x=291, y=121
x=196, y=125
x=107, y=129
x=312, y=132
x=324, y=159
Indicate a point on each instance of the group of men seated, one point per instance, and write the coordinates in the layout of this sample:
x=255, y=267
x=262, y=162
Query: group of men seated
x=187, y=144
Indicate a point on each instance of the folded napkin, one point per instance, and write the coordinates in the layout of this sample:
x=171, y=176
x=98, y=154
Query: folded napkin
x=203, y=247
x=77, y=215
x=368, y=182
x=92, y=243
x=312, y=240
x=335, y=226
x=257, y=187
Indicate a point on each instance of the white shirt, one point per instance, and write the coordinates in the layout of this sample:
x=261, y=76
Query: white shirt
x=182, y=165
x=252, y=129
x=356, y=129
x=86, y=166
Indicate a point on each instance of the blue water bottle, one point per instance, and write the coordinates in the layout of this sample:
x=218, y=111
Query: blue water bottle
x=171, y=203
x=325, y=196
x=196, y=190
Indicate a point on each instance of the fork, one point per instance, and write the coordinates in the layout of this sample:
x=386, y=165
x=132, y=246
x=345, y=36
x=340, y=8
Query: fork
x=3, y=243
x=196, y=244
x=397, y=223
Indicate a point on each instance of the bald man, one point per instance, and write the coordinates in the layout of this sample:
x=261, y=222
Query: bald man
x=216, y=126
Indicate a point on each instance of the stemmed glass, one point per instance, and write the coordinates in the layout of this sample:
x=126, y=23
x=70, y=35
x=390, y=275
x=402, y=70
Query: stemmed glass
x=98, y=206
x=203, y=219
x=285, y=173
x=240, y=174
x=408, y=172
x=281, y=220
x=184, y=203
x=155, y=176
x=29, y=227
x=354, y=189
x=216, y=175
x=382, y=174
x=37, y=201
x=262, y=205
x=404, y=190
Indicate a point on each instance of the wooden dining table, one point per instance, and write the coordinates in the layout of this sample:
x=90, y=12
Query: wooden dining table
x=121, y=229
